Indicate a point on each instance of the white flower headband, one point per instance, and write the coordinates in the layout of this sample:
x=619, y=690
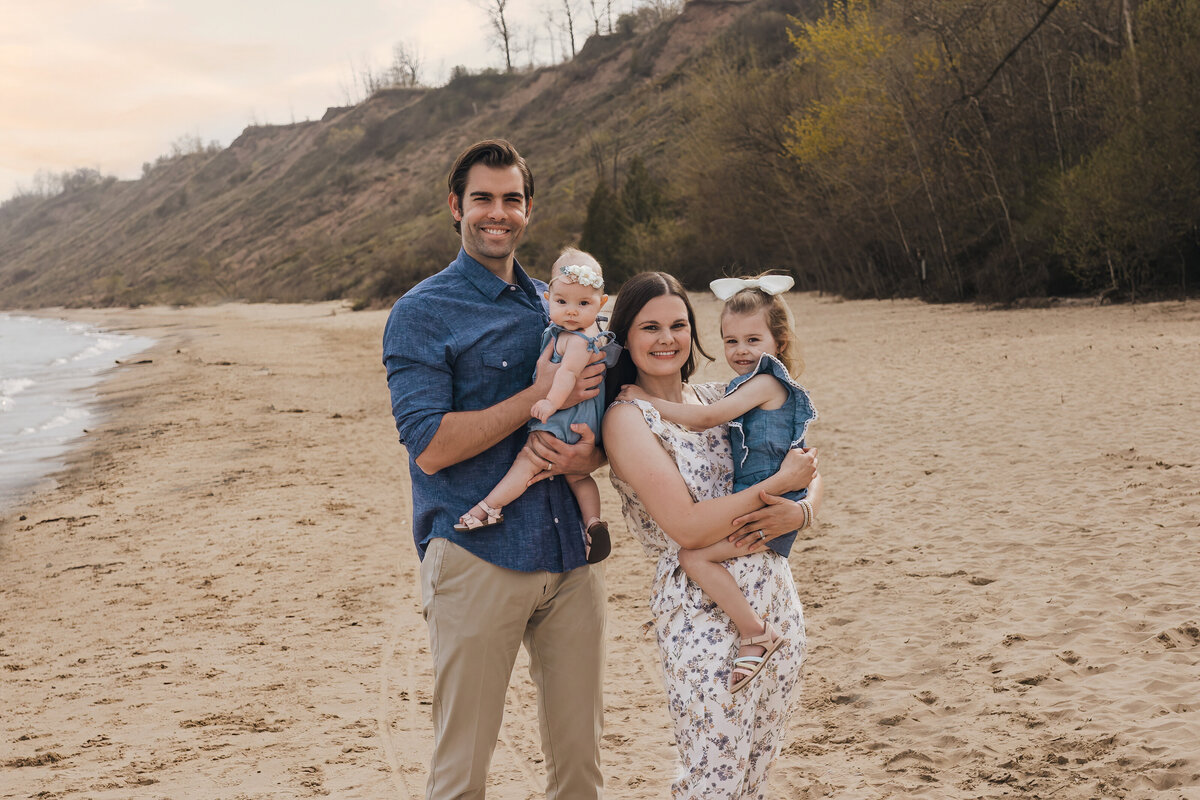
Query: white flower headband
x=581, y=273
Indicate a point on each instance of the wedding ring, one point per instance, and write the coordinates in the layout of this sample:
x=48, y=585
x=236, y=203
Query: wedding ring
x=761, y=536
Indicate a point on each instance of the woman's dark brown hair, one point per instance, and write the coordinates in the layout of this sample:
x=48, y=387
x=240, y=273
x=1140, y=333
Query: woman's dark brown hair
x=634, y=294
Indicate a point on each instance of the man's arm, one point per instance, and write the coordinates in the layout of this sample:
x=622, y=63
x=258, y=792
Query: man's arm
x=421, y=381
x=465, y=434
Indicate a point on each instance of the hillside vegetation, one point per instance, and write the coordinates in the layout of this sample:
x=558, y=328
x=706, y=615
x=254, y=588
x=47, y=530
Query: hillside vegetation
x=948, y=149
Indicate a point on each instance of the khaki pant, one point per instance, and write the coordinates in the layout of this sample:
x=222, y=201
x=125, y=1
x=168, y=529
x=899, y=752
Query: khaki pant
x=478, y=616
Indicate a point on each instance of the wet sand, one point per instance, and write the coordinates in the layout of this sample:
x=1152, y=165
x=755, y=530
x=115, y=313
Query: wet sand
x=220, y=599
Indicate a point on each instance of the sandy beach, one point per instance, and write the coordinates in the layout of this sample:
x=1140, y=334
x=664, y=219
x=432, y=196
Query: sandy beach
x=220, y=599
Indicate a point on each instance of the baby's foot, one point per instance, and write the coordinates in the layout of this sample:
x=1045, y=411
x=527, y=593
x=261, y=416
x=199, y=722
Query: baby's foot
x=597, y=544
x=486, y=517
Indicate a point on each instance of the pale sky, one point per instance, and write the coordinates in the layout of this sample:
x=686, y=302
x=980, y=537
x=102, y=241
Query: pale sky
x=110, y=84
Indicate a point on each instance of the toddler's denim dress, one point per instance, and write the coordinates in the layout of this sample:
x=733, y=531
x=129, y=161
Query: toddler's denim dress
x=760, y=439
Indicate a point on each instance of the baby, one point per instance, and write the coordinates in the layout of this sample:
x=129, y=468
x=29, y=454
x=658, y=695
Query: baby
x=576, y=295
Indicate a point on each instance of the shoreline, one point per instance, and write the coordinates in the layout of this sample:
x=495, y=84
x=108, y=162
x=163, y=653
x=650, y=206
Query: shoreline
x=221, y=599
x=71, y=396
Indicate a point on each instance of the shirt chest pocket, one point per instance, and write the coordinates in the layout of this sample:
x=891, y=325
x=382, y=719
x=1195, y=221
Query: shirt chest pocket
x=485, y=376
x=497, y=362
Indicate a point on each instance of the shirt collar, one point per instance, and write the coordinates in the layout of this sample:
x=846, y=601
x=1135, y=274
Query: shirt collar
x=488, y=283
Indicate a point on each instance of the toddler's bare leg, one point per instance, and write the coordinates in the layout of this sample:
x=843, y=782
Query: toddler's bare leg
x=704, y=567
x=597, y=542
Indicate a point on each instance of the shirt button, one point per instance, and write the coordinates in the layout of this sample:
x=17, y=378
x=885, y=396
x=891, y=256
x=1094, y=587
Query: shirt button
x=504, y=363
x=512, y=288
x=556, y=520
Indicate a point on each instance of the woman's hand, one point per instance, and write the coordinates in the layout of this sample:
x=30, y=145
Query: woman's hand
x=631, y=391
x=777, y=517
x=799, y=467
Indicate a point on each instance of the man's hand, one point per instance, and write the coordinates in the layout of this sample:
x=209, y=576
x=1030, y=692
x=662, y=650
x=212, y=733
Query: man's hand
x=560, y=458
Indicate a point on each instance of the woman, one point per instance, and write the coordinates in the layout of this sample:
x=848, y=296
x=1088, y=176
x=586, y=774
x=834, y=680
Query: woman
x=675, y=492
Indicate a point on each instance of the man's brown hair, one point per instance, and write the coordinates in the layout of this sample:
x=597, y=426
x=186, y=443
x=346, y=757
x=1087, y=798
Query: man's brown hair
x=491, y=153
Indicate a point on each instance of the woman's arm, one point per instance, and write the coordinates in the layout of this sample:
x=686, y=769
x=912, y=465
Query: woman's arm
x=638, y=458
x=575, y=358
x=761, y=390
x=778, y=516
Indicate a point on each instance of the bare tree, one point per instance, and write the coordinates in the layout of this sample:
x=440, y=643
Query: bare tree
x=595, y=16
x=552, y=29
x=569, y=11
x=503, y=35
x=529, y=41
x=407, y=62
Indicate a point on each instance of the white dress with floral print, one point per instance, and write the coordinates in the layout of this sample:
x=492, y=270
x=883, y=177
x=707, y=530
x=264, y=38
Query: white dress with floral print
x=726, y=742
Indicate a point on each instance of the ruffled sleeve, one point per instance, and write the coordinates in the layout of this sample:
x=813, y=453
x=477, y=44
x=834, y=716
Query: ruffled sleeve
x=803, y=412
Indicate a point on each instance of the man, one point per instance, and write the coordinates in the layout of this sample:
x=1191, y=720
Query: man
x=460, y=349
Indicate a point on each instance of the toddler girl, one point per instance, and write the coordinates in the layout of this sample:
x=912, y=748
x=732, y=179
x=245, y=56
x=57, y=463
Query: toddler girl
x=768, y=414
x=576, y=295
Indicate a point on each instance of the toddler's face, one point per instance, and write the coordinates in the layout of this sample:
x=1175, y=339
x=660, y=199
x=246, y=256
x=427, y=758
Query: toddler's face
x=746, y=337
x=574, y=306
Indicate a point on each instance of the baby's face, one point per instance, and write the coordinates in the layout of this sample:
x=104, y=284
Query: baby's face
x=574, y=306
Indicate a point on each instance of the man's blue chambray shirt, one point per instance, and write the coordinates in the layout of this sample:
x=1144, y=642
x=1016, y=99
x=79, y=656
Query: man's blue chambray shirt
x=463, y=340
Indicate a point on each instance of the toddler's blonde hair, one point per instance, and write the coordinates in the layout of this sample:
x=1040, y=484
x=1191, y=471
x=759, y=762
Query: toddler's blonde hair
x=779, y=323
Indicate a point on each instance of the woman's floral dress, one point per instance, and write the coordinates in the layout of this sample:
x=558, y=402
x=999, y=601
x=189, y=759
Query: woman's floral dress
x=726, y=742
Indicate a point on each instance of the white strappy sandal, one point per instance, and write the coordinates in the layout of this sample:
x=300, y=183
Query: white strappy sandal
x=749, y=666
x=470, y=522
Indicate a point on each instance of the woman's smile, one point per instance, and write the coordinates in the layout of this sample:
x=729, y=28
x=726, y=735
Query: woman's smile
x=660, y=338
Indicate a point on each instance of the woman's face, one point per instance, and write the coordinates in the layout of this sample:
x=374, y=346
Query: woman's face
x=660, y=339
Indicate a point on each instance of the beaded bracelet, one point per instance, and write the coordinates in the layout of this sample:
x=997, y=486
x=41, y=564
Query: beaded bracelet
x=808, y=513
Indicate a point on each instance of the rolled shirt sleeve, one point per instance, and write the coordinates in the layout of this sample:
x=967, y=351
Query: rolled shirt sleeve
x=418, y=355
x=463, y=340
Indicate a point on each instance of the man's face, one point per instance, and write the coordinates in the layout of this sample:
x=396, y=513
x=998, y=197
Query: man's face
x=493, y=214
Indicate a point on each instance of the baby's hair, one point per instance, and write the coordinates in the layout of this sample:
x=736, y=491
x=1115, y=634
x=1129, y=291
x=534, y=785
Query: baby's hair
x=779, y=323
x=573, y=257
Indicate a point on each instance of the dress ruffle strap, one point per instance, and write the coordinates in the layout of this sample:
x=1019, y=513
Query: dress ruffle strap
x=803, y=412
x=604, y=342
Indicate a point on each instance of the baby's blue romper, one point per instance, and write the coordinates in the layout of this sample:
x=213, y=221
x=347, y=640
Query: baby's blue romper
x=588, y=412
x=760, y=439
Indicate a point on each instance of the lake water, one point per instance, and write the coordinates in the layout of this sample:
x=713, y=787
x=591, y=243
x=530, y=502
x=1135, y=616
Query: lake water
x=49, y=369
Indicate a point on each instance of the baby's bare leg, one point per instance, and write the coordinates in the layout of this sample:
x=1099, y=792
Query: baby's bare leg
x=513, y=484
x=587, y=494
x=704, y=567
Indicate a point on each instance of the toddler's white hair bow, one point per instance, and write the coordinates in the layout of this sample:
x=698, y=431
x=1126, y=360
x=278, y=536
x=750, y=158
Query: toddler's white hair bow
x=725, y=288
